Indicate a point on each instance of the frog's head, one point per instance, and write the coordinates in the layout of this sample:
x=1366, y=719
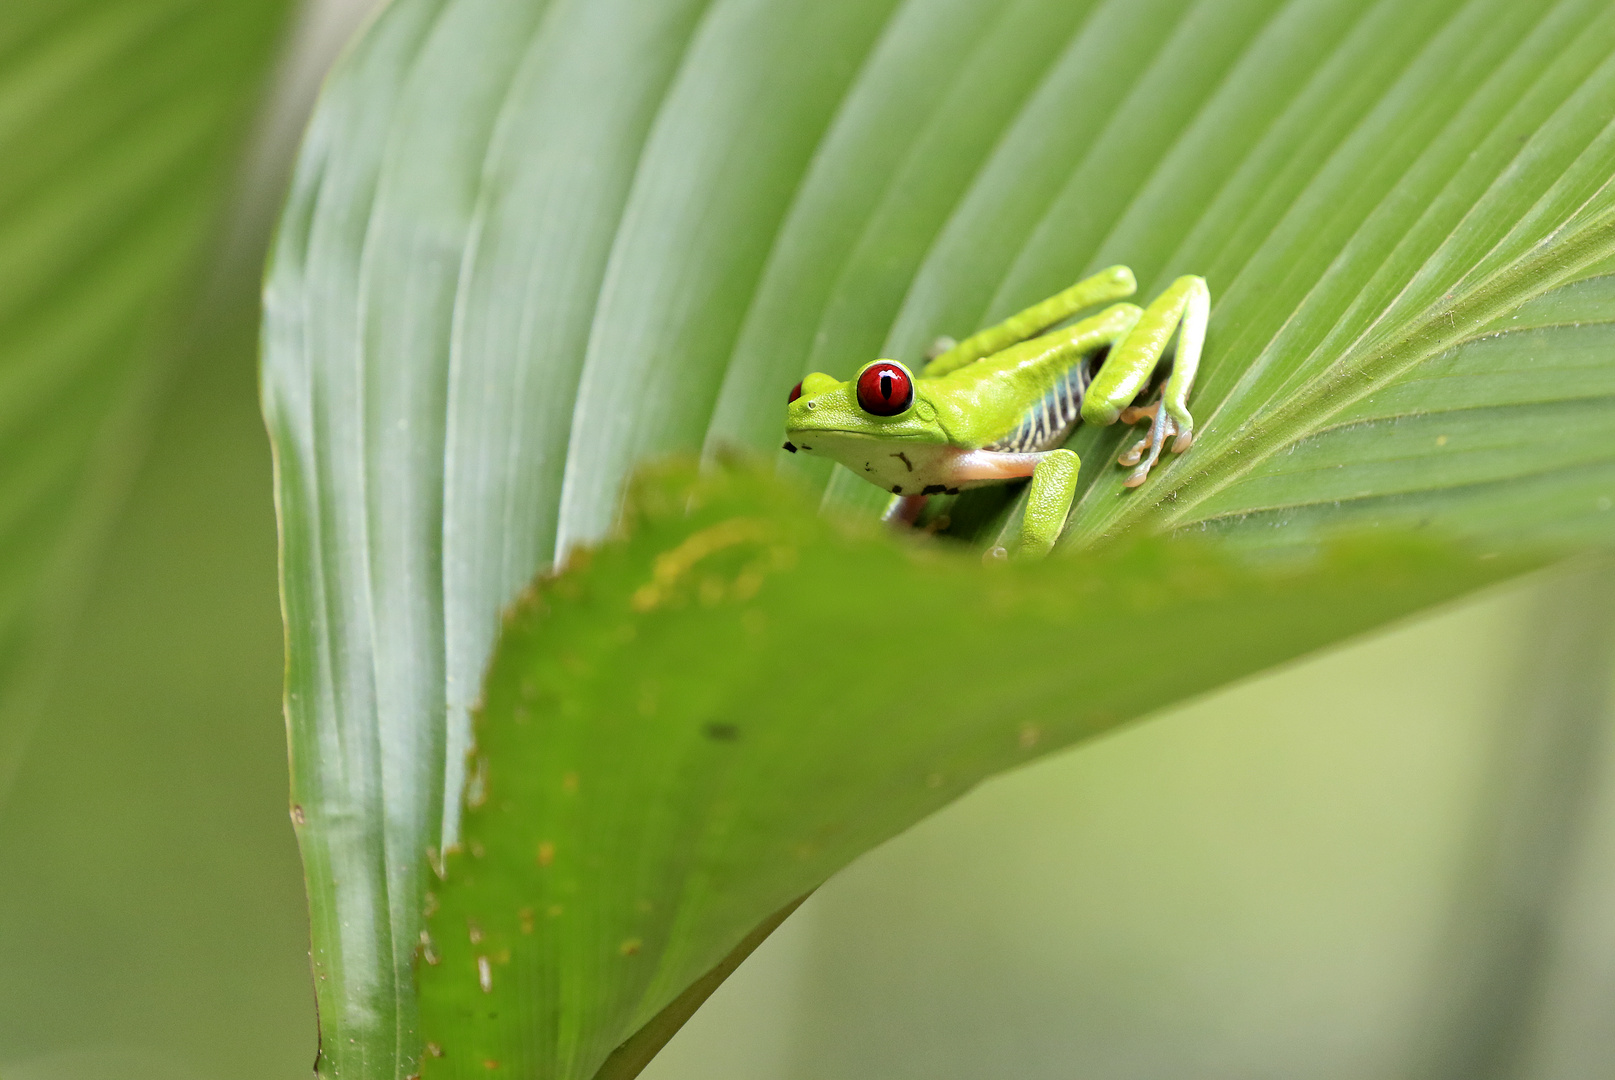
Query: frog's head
x=837, y=419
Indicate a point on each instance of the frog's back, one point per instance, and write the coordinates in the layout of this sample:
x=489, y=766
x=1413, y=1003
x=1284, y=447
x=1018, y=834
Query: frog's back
x=1048, y=422
x=1050, y=373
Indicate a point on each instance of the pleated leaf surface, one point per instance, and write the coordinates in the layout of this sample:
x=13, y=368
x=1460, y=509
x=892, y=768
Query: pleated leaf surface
x=531, y=246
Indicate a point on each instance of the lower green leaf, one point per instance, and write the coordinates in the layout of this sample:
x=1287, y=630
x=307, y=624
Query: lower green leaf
x=697, y=723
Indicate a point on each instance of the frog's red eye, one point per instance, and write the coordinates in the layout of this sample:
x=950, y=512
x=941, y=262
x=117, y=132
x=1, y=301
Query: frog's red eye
x=796, y=392
x=884, y=389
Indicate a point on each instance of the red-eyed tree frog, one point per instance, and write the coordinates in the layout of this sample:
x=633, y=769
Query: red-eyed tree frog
x=999, y=405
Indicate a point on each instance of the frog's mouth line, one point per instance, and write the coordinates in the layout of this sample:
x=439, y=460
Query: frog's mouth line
x=798, y=432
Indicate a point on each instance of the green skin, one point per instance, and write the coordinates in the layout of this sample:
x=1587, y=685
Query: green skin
x=968, y=423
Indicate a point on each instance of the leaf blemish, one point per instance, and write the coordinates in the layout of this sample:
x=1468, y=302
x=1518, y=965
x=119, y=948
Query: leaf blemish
x=671, y=567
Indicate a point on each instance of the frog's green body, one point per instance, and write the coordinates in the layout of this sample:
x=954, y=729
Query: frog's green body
x=998, y=406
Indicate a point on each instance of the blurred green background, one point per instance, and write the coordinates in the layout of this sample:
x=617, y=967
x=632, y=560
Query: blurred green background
x=1397, y=860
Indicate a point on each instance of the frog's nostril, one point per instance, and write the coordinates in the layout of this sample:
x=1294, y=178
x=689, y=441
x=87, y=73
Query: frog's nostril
x=796, y=392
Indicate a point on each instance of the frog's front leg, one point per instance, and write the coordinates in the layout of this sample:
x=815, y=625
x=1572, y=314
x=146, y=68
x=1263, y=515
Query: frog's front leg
x=1185, y=309
x=1054, y=487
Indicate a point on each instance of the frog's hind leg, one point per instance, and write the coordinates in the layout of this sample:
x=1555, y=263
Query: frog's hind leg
x=1183, y=309
x=1104, y=287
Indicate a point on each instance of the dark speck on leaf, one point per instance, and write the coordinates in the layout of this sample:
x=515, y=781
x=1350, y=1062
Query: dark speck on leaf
x=791, y=448
x=722, y=732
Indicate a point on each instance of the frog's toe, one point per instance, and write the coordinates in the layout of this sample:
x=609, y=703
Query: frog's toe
x=1184, y=424
x=940, y=346
x=1147, y=451
x=1132, y=415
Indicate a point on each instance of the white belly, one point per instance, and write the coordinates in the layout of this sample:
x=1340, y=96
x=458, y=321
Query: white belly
x=918, y=468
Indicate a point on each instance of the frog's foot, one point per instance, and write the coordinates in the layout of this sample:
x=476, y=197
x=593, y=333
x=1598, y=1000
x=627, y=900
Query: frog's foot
x=1147, y=451
x=939, y=346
